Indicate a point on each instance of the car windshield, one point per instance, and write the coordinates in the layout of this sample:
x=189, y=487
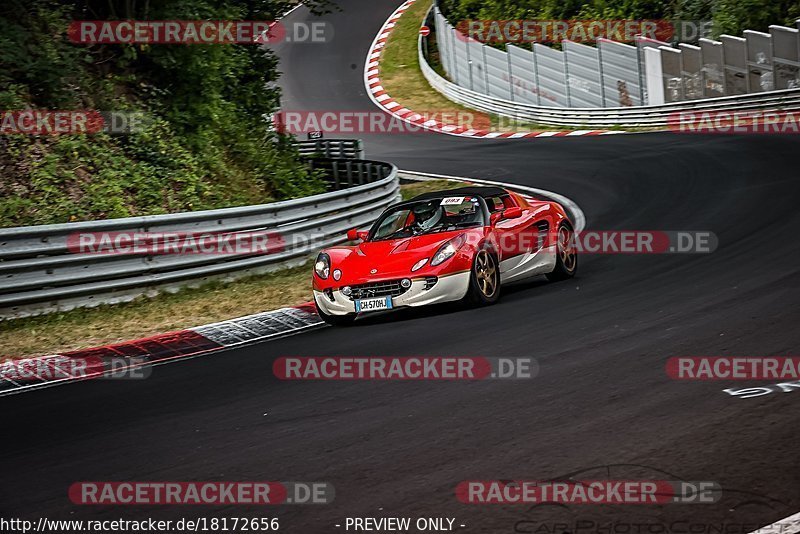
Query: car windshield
x=428, y=216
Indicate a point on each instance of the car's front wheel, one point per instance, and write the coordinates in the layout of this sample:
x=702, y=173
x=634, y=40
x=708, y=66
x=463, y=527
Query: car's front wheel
x=484, y=280
x=336, y=320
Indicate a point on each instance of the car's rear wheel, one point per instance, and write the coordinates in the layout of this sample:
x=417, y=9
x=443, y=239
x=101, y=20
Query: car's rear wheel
x=566, y=255
x=335, y=320
x=484, y=280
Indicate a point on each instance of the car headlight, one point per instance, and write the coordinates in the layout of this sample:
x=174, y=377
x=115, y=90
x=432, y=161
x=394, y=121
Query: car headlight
x=337, y=274
x=417, y=266
x=322, y=267
x=447, y=250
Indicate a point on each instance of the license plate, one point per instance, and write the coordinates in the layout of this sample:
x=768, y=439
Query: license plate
x=367, y=305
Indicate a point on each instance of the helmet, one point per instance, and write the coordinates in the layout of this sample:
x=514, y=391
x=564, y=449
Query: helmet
x=427, y=214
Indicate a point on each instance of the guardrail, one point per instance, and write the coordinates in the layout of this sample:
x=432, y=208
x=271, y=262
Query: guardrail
x=332, y=148
x=41, y=273
x=591, y=118
x=341, y=173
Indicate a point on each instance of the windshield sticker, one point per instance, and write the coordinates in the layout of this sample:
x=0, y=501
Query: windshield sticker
x=452, y=201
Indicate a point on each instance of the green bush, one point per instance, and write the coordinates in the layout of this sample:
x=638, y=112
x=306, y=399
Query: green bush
x=206, y=143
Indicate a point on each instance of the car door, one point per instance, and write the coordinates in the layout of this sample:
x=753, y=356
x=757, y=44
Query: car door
x=510, y=233
x=519, y=242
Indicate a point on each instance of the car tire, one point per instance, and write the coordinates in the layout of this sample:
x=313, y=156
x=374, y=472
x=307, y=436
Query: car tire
x=484, y=280
x=566, y=255
x=335, y=320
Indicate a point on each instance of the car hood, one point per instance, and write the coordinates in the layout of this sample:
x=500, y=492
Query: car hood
x=388, y=258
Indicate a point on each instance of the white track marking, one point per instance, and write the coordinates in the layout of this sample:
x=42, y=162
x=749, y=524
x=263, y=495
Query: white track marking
x=789, y=525
x=24, y=388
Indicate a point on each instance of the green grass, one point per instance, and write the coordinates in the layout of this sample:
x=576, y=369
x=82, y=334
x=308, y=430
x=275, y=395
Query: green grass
x=147, y=316
x=400, y=71
x=402, y=77
x=412, y=189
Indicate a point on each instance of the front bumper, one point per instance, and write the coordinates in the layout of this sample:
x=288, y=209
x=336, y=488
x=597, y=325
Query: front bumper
x=448, y=288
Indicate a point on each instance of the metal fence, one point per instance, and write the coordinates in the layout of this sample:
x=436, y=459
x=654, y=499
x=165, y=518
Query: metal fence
x=614, y=74
x=42, y=273
x=599, y=118
x=332, y=148
x=650, y=116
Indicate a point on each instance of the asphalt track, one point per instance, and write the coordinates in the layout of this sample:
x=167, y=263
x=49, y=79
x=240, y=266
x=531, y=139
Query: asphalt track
x=601, y=399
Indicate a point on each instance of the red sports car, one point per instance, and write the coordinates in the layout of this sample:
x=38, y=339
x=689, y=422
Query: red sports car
x=444, y=246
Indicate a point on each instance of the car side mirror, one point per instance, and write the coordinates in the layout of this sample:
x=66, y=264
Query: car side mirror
x=508, y=213
x=354, y=235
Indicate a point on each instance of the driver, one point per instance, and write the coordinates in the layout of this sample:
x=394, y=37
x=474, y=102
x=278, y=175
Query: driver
x=426, y=216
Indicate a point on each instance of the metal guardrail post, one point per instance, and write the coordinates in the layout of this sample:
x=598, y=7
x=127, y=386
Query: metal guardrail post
x=536, y=77
x=336, y=182
x=453, y=67
x=332, y=148
x=602, y=84
x=510, y=79
x=349, y=166
x=485, y=69
x=566, y=80
x=367, y=174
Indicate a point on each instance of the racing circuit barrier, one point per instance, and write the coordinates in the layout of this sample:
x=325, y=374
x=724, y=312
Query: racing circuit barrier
x=42, y=273
x=332, y=148
x=644, y=116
